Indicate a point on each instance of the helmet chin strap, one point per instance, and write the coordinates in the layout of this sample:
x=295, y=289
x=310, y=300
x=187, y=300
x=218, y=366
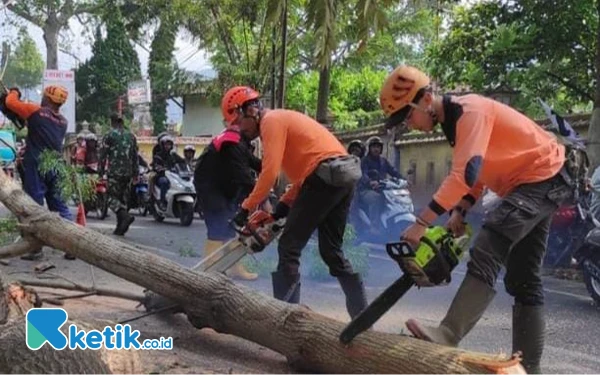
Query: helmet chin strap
x=433, y=116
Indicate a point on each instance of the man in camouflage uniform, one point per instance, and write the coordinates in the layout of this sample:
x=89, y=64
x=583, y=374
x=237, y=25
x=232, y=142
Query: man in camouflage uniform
x=121, y=152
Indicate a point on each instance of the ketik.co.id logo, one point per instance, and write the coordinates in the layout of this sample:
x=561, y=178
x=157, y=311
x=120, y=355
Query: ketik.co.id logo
x=43, y=325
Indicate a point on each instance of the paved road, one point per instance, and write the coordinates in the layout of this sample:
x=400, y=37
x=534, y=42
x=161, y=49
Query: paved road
x=573, y=322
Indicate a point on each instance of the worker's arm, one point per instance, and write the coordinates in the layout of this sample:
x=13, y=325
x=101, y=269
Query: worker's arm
x=473, y=132
x=22, y=109
x=273, y=135
x=290, y=196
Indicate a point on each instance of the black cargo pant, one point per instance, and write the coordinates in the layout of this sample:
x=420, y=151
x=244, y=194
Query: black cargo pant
x=515, y=234
x=318, y=206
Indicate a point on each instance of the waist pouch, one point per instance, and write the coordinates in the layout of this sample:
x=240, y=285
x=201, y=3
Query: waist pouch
x=343, y=171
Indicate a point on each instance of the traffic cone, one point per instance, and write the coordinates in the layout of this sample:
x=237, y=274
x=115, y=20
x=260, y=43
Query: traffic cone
x=81, y=215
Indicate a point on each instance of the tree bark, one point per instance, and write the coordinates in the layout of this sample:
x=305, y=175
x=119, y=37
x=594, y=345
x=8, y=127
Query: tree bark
x=17, y=358
x=323, y=95
x=594, y=129
x=309, y=340
x=51, y=29
x=96, y=291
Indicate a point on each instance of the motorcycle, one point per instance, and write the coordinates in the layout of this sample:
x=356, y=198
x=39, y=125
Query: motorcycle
x=397, y=214
x=568, y=228
x=99, y=203
x=587, y=255
x=181, y=196
x=140, y=196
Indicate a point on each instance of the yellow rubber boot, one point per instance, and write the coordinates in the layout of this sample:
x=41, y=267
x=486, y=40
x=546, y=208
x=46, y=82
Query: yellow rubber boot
x=211, y=246
x=239, y=271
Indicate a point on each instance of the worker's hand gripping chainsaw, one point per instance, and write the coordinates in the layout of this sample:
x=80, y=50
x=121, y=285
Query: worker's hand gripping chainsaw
x=16, y=120
x=260, y=230
x=429, y=265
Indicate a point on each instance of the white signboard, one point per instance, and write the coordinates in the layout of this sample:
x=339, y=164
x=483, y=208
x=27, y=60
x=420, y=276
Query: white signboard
x=65, y=78
x=139, y=92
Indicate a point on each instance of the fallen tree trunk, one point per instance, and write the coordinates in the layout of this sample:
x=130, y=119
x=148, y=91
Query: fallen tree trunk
x=308, y=340
x=17, y=358
x=98, y=291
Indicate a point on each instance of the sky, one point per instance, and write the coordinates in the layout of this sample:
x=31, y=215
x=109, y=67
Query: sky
x=187, y=53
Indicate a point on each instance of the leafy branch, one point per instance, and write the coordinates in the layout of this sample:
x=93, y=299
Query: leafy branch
x=72, y=182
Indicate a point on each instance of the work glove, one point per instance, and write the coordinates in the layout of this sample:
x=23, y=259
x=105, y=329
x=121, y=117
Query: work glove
x=281, y=211
x=241, y=218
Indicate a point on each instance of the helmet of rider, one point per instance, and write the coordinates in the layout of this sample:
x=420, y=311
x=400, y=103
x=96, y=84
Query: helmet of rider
x=401, y=90
x=234, y=100
x=167, y=140
x=189, y=148
x=356, y=147
x=373, y=141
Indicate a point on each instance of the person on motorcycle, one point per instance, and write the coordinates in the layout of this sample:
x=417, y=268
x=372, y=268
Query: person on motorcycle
x=223, y=179
x=165, y=159
x=46, y=131
x=189, y=152
x=323, y=178
x=79, y=150
x=92, y=158
x=374, y=168
x=497, y=147
x=119, y=152
x=357, y=148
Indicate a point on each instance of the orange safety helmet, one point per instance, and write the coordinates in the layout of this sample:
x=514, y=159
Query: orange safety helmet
x=233, y=100
x=56, y=94
x=399, y=89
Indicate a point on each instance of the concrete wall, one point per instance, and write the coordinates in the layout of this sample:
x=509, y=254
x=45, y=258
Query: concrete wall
x=200, y=117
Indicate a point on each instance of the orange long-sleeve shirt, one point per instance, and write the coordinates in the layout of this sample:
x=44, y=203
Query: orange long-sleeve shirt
x=295, y=144
x=498, y=147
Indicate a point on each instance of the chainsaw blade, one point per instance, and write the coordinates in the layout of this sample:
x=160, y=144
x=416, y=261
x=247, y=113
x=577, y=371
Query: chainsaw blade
x=376, y=309
x=223, y=258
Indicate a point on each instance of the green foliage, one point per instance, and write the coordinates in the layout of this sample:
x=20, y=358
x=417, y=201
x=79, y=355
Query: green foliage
x=353, y=98
x=8, y=230
x=539, y=48
x=72, y=181
x=357, y=255
x=105, y=76
x=162, y=68
x=25, y=67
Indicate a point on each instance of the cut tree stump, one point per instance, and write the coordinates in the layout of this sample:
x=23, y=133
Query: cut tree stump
x=17, y=358
x=308, y=340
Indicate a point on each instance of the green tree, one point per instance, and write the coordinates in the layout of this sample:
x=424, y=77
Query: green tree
x=52, y=16
x=105, y=76
x=541, y=48
x=162, y=68
x=25, y=65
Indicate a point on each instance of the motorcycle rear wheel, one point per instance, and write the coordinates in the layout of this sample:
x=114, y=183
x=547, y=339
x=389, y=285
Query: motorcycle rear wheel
x=102, y=206
x=593, y=285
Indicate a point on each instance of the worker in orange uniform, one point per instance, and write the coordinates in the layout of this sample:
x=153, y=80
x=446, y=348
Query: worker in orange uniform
x=497, y=147
x=46, y=131
x=323, y=177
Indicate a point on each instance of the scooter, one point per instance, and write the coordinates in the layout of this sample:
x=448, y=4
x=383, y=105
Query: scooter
x=181, y=196
x=140, y=196
x=587, y=255
x=397, y=214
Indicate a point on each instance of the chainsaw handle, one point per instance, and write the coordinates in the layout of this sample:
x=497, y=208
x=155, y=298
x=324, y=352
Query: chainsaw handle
x=398, y=250
x=438, y=255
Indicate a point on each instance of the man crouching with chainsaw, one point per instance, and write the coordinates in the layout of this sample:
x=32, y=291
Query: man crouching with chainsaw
x=494, y=146
x=323, y=177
